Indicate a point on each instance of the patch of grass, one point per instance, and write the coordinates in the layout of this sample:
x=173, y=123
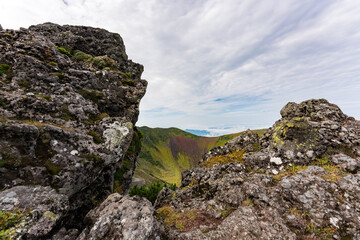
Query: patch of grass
x=46, y=97
x=8, y=221
x=135, y=145
x=290, y=171
x=225, y=213
x=4, y=68
x=223, y=159
x=96, y=118
x=119, y=175
x=127, y=82
x=59, y=75
x=63, y=50
x=325, y=233
x=299, y=213
x=150, y=192
x=25, y=84
x=247, y=202
x=90, y=157
x=333, y=172
x=97, y=139
x=83, y=57
x=53, y=64
x=102, y=62
x=65, y=113
x=52, y=168
x=176, y=219
x=92, y=95
x=128, y=75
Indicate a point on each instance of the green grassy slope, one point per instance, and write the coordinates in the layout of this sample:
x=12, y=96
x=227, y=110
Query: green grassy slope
x=166, y=152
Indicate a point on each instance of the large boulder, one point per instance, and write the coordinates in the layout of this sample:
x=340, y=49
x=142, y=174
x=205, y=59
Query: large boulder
x=69, y=101
x=122, y=217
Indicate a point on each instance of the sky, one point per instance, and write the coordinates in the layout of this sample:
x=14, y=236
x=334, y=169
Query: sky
x=222, y=66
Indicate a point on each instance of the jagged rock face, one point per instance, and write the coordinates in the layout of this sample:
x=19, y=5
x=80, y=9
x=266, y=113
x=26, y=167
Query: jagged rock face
x=69, y=100
x=122, y=217
x=301, y=183
x=309, y=130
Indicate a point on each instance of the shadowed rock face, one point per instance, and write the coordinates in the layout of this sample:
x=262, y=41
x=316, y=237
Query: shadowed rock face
x=300, y=180
x=69, y=100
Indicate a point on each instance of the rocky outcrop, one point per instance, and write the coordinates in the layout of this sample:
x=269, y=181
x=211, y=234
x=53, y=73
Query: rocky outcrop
x=69, y=101
x=299, y=180
x=122, y=217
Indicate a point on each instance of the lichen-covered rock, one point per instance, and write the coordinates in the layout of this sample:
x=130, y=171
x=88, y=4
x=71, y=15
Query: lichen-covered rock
x=69, y=101
x=122, y=217
x=248, y=141
x=43, y=207
x=299, y=181
x=310, y=130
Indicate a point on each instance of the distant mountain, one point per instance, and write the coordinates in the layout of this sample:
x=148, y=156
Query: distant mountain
x=166, y=152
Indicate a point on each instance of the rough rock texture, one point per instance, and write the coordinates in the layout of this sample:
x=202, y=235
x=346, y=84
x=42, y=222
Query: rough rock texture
x=69, y=101
x=248, y=141
x=122, y=217
x=300, y=180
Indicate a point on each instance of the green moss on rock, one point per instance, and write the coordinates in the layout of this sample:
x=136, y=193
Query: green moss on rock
x=64, y=50
x=102, y=62
x=59, y=75
x=25, y=84
x=4, y=68
x=90, y=157
x=65, y=113
x=96, y=137
x=92, y=95
x=83, y=57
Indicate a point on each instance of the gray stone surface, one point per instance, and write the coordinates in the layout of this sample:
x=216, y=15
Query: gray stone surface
x=122, y=217
x=66, y=121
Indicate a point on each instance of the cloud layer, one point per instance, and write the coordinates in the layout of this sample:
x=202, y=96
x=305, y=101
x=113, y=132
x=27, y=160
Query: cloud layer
x=223, y=66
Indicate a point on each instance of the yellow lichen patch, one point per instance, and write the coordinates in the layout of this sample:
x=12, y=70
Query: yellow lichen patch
x=223, y=159
x=51, y=215
x=290, y=171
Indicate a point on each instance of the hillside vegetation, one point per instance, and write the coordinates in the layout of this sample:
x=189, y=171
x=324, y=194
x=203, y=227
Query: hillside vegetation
x=166, y=152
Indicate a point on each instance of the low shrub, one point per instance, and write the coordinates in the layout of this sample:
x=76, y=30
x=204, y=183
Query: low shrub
x=150, y=192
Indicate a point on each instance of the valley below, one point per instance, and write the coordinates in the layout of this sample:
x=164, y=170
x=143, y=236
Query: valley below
x=166, y=152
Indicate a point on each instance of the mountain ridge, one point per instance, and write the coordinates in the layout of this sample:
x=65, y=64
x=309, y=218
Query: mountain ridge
x=166, y=152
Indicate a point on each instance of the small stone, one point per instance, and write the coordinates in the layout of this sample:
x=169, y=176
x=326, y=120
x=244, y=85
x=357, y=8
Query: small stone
x=276, y=160
x=274, y=171
x=334, y=127
x=310, y=154
x=334, y=221
x=74, y=152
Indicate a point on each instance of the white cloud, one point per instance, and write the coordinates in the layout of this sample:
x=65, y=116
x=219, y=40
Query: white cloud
x=251, y=56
